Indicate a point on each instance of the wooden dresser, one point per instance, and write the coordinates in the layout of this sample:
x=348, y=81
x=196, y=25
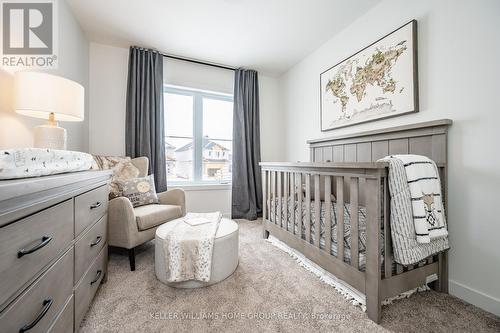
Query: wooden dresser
x=53, y=250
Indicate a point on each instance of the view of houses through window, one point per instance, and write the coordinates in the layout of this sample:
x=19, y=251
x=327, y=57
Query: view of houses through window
x=198, y=135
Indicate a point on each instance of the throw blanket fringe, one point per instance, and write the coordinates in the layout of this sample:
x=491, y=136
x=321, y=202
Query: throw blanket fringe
x=406, y=294
x=189, y=249
x=351, y=294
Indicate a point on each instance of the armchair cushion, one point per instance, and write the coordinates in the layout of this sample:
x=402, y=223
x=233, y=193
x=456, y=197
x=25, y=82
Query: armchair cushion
x=150, y=216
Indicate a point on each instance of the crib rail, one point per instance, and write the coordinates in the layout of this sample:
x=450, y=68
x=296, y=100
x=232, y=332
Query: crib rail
x=357, y=184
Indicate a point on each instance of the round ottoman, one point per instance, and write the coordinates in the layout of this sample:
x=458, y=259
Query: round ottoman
x=224, y=259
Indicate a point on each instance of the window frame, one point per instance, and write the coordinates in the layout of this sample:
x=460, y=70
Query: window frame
x=197, y=95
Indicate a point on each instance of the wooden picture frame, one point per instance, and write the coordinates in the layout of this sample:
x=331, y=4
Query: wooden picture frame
x=377, y=82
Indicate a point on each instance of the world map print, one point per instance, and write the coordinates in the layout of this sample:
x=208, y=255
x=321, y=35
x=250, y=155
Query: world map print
x=376, y=82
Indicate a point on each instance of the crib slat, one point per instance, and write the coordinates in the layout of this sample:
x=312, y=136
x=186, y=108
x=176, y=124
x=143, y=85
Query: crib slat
x=268, y=202
x=317, y=212
x=299, y=207
x=328, y=214
x=285, y=196
x=264, y=194
x=340, y=217
x=280, y=200
x=354, y=222
x=273, y=195
x=289, y=194
x=307, y=221
x=387, y=233
x=292, y=199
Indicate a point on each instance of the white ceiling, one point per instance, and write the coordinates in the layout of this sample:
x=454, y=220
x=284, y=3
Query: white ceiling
x=268, y=35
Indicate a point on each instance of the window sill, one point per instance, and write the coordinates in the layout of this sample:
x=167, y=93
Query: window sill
x=201, y=187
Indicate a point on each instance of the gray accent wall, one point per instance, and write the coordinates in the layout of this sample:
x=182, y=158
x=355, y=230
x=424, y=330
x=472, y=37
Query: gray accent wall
x=458, y=51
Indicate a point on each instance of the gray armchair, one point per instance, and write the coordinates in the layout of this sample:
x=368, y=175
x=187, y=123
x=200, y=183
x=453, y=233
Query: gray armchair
x=129, y=227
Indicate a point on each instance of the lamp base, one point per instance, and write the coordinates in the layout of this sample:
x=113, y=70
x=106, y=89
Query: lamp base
x=50, y=136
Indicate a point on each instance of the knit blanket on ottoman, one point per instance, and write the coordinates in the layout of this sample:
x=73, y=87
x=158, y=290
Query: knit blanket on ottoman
x=189, y=247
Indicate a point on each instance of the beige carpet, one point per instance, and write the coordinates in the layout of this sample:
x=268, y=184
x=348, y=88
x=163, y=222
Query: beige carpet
x=268, y=284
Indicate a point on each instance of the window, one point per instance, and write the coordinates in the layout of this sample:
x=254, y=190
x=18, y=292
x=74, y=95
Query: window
x=198, y=136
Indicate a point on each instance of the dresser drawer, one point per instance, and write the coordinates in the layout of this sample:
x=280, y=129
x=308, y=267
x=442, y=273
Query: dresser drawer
x=88, y=285
x=89, y=207
x=28, y=245
x=40, y=304
x=88, y=247
x=64, y=322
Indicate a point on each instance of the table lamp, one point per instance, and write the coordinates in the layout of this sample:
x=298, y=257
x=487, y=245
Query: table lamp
x=51, y=97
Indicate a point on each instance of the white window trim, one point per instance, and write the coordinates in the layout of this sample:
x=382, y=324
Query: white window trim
x=198, y=95
x=202, y=187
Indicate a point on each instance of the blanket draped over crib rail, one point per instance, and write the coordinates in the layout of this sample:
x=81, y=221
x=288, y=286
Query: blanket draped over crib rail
x=418, y=224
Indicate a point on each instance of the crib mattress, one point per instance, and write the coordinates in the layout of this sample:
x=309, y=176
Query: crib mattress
x=294, y=207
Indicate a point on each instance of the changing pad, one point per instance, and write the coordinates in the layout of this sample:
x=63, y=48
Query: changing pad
x=34, y=162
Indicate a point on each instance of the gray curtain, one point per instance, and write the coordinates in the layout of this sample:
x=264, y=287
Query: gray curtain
x=144, y=132
x=246, y=183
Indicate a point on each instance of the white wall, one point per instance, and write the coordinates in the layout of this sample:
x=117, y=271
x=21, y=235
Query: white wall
x=272, y=126
x=17, y=130
x=459, y=77
x=191, y=75
x=202, y=199
x=108, y=88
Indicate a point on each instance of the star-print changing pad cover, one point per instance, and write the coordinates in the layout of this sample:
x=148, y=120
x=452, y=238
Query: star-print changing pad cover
x=34, y=162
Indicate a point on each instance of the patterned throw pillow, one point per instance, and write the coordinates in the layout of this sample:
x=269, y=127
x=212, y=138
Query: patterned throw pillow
x=122, y=168
x=140, y=191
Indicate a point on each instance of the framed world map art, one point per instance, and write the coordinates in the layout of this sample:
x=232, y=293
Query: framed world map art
x=377, y=82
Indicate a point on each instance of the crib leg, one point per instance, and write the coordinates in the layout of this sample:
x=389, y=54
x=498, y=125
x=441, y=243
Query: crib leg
x=443, y=272
x=373, y=308
x=265, y=233
x=373, y=299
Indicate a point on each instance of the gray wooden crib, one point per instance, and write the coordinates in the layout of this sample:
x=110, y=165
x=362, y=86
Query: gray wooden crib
x=346, y=167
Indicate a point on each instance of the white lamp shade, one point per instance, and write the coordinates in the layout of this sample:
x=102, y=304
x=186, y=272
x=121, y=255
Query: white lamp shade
x=39, y=94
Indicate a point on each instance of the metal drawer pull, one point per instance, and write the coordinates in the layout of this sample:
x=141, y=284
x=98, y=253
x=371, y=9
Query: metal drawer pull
x=99, y=272
x=96, y=205
x=46, y=306
x=45, y=240
x=97, y=241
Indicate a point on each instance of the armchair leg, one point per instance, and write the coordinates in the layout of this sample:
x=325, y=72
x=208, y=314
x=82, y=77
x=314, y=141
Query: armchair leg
x=131, y=258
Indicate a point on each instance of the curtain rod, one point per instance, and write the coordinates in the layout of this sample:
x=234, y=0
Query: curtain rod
x=200, y=62
x=196, y=61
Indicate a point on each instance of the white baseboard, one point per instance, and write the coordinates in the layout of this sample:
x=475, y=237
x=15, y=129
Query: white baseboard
x=475, y=297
